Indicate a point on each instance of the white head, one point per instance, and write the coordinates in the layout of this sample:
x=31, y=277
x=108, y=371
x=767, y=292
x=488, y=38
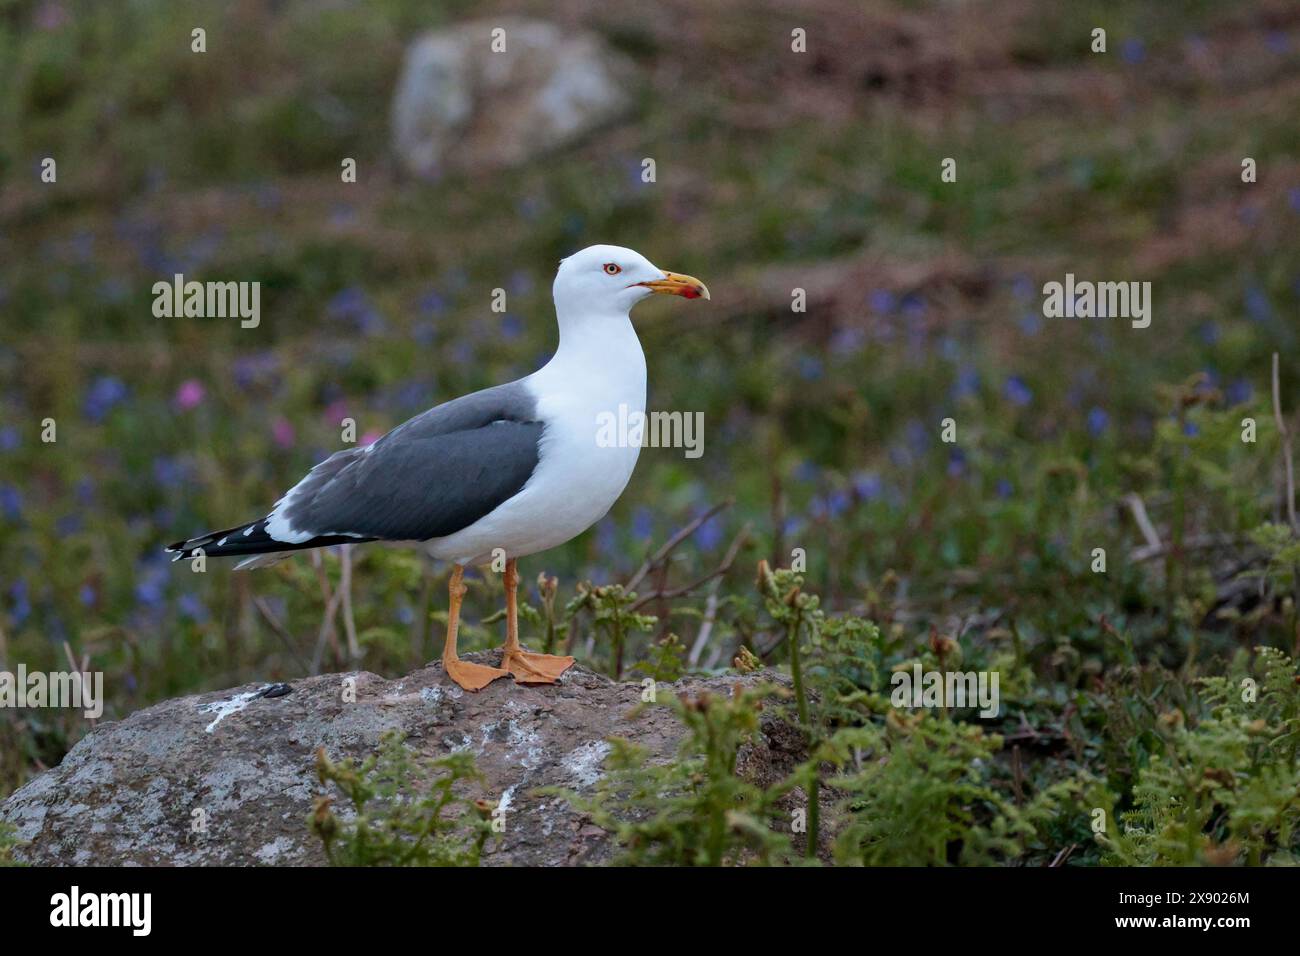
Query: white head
x=609, y=280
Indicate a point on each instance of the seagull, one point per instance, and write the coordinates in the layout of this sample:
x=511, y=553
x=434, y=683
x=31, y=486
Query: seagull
x=507, y=471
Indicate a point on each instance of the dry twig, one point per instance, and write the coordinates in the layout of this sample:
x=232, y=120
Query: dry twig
x=285, y=637
x=1286, y=445
x=673, y=542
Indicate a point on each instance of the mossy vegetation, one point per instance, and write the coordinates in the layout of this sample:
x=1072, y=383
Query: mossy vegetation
x=401, y=811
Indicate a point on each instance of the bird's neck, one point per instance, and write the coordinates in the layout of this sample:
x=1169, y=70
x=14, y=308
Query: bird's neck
x=601, y=355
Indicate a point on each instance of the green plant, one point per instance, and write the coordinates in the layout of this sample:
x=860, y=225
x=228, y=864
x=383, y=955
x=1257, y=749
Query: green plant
x=1226, y=790
x=667, y=662
x=611, y=610
x=695, y=810
x=548, y=586
x=924, y=794
x=795, y=611
x=392, y=824
x=8, y=842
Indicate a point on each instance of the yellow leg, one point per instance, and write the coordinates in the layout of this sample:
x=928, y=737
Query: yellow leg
x=527, y=667
x=467, y=675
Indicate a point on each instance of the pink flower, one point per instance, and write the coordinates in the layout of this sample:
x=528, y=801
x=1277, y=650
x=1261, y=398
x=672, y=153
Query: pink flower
x=282, y=432
x=336, y=411
x=189, y=395
x=370, y=437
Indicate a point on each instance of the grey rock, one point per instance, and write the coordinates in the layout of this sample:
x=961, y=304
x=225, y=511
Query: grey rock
x=127, y=792
x=459, y=105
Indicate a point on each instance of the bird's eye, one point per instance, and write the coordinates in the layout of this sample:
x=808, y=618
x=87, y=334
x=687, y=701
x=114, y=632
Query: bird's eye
x=612, y=269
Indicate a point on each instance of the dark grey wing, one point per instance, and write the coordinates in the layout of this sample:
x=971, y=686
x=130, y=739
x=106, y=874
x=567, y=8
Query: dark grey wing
x=430, y=477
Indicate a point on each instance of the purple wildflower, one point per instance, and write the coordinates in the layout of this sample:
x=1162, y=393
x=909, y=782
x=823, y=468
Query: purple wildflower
x=103, y=395
x=1133, y=50
x=1016, y=391
x=22, y=605
x=882, y=301
x=642, y=523
x=11, y=502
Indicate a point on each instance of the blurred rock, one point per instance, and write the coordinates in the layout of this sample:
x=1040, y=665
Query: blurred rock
x=127, y=793
x=460, y=105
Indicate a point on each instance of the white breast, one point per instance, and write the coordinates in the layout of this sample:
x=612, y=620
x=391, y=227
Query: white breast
x=576, y=480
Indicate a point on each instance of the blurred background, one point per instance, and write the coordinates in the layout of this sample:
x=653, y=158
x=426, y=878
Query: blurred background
x=774, y=170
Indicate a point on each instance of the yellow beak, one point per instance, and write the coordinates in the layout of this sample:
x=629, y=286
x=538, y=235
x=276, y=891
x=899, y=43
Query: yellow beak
x=674, y=284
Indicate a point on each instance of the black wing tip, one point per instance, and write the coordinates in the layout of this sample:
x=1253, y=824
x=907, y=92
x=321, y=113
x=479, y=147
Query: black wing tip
x=244, y=545
x=181, y=549
x=208, y=541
